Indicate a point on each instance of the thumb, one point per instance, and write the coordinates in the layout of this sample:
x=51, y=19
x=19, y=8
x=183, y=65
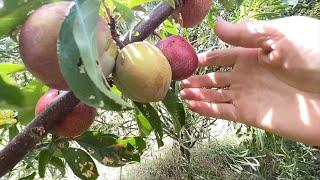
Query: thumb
x=249, y=34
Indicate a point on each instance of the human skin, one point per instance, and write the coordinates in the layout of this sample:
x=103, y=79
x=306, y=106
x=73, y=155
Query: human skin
x=274, y=83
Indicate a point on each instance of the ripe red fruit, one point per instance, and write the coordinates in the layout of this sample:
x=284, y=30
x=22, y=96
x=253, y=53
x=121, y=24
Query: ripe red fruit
x=38, y=42
x=192, y=12
x=76, y=122
x=181, y=56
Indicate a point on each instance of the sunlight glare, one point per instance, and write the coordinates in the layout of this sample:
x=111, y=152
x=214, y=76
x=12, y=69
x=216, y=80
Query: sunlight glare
x=267, y=119
x=255, y=28
x=303, y=107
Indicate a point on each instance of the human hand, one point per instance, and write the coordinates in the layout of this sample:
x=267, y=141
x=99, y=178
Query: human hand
x=274, y=81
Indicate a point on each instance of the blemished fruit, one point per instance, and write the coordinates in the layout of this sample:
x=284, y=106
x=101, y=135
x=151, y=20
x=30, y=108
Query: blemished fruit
x=181, y=56
x=76, y=122
x=142, y=73
x=192, y=12
x=38, y=42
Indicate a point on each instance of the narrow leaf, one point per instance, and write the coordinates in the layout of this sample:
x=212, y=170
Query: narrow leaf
x=145, y=127
x=59, y=164
x=176, y=110
x=7, y=68
x=44, y=158
x=152, y=116
x=10, y=93
x=13, y=131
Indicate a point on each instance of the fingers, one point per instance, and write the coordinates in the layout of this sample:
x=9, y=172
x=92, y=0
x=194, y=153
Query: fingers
x=225, y=57
x=221, y=111
x=271, y=58
x=211, y=80
x=206, y=95
x=250, y=34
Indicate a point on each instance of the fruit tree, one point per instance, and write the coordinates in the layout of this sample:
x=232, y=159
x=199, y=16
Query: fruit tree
x=80, y=61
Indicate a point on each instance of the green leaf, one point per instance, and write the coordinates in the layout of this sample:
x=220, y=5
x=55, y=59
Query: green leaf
x=59, y=164
x=32, y=93
x=83, y=75
x=111, y=150
x=145, y=127
x=126, y=13
x=13, y=131
x=135, y=142
x=44, y=158
x=290, y=2
x=29, y=177
x=7, y=68
x=14, y=13
x=169, y=28
x=176, y=110
x=152, y=116
x=81, y=163
x=171, y=3
x=135, y=3
x=10, y=93
x=2, y=136
x=212, y=16
x=21, y=100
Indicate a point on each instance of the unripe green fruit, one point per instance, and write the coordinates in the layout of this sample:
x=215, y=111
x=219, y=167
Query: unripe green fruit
x=75, y=123
x=142, y=73
x=38, y=42
x=192, y=12
x=181, y=56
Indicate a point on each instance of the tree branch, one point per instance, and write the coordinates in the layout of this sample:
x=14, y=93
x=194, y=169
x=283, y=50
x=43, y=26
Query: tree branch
x=147, y=26
x=25, y=141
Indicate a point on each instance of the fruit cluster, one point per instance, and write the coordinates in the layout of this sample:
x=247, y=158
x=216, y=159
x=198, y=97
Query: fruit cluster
x=143, y=72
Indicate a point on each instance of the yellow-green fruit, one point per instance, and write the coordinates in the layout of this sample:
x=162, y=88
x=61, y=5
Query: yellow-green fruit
x=142, y=73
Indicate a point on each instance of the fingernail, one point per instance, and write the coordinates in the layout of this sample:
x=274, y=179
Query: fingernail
x=182, y=93
x=184, y=83
x=191, y=105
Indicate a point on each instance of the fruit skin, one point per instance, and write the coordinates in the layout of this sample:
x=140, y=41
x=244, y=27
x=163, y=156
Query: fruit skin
x=38, y=39
x=192, y=12
x=76, y=122
x=181, y=56
x=142, y=73
x=108, y=59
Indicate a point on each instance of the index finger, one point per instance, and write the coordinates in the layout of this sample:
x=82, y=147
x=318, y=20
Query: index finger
x=225, y=57
x=249, y=34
